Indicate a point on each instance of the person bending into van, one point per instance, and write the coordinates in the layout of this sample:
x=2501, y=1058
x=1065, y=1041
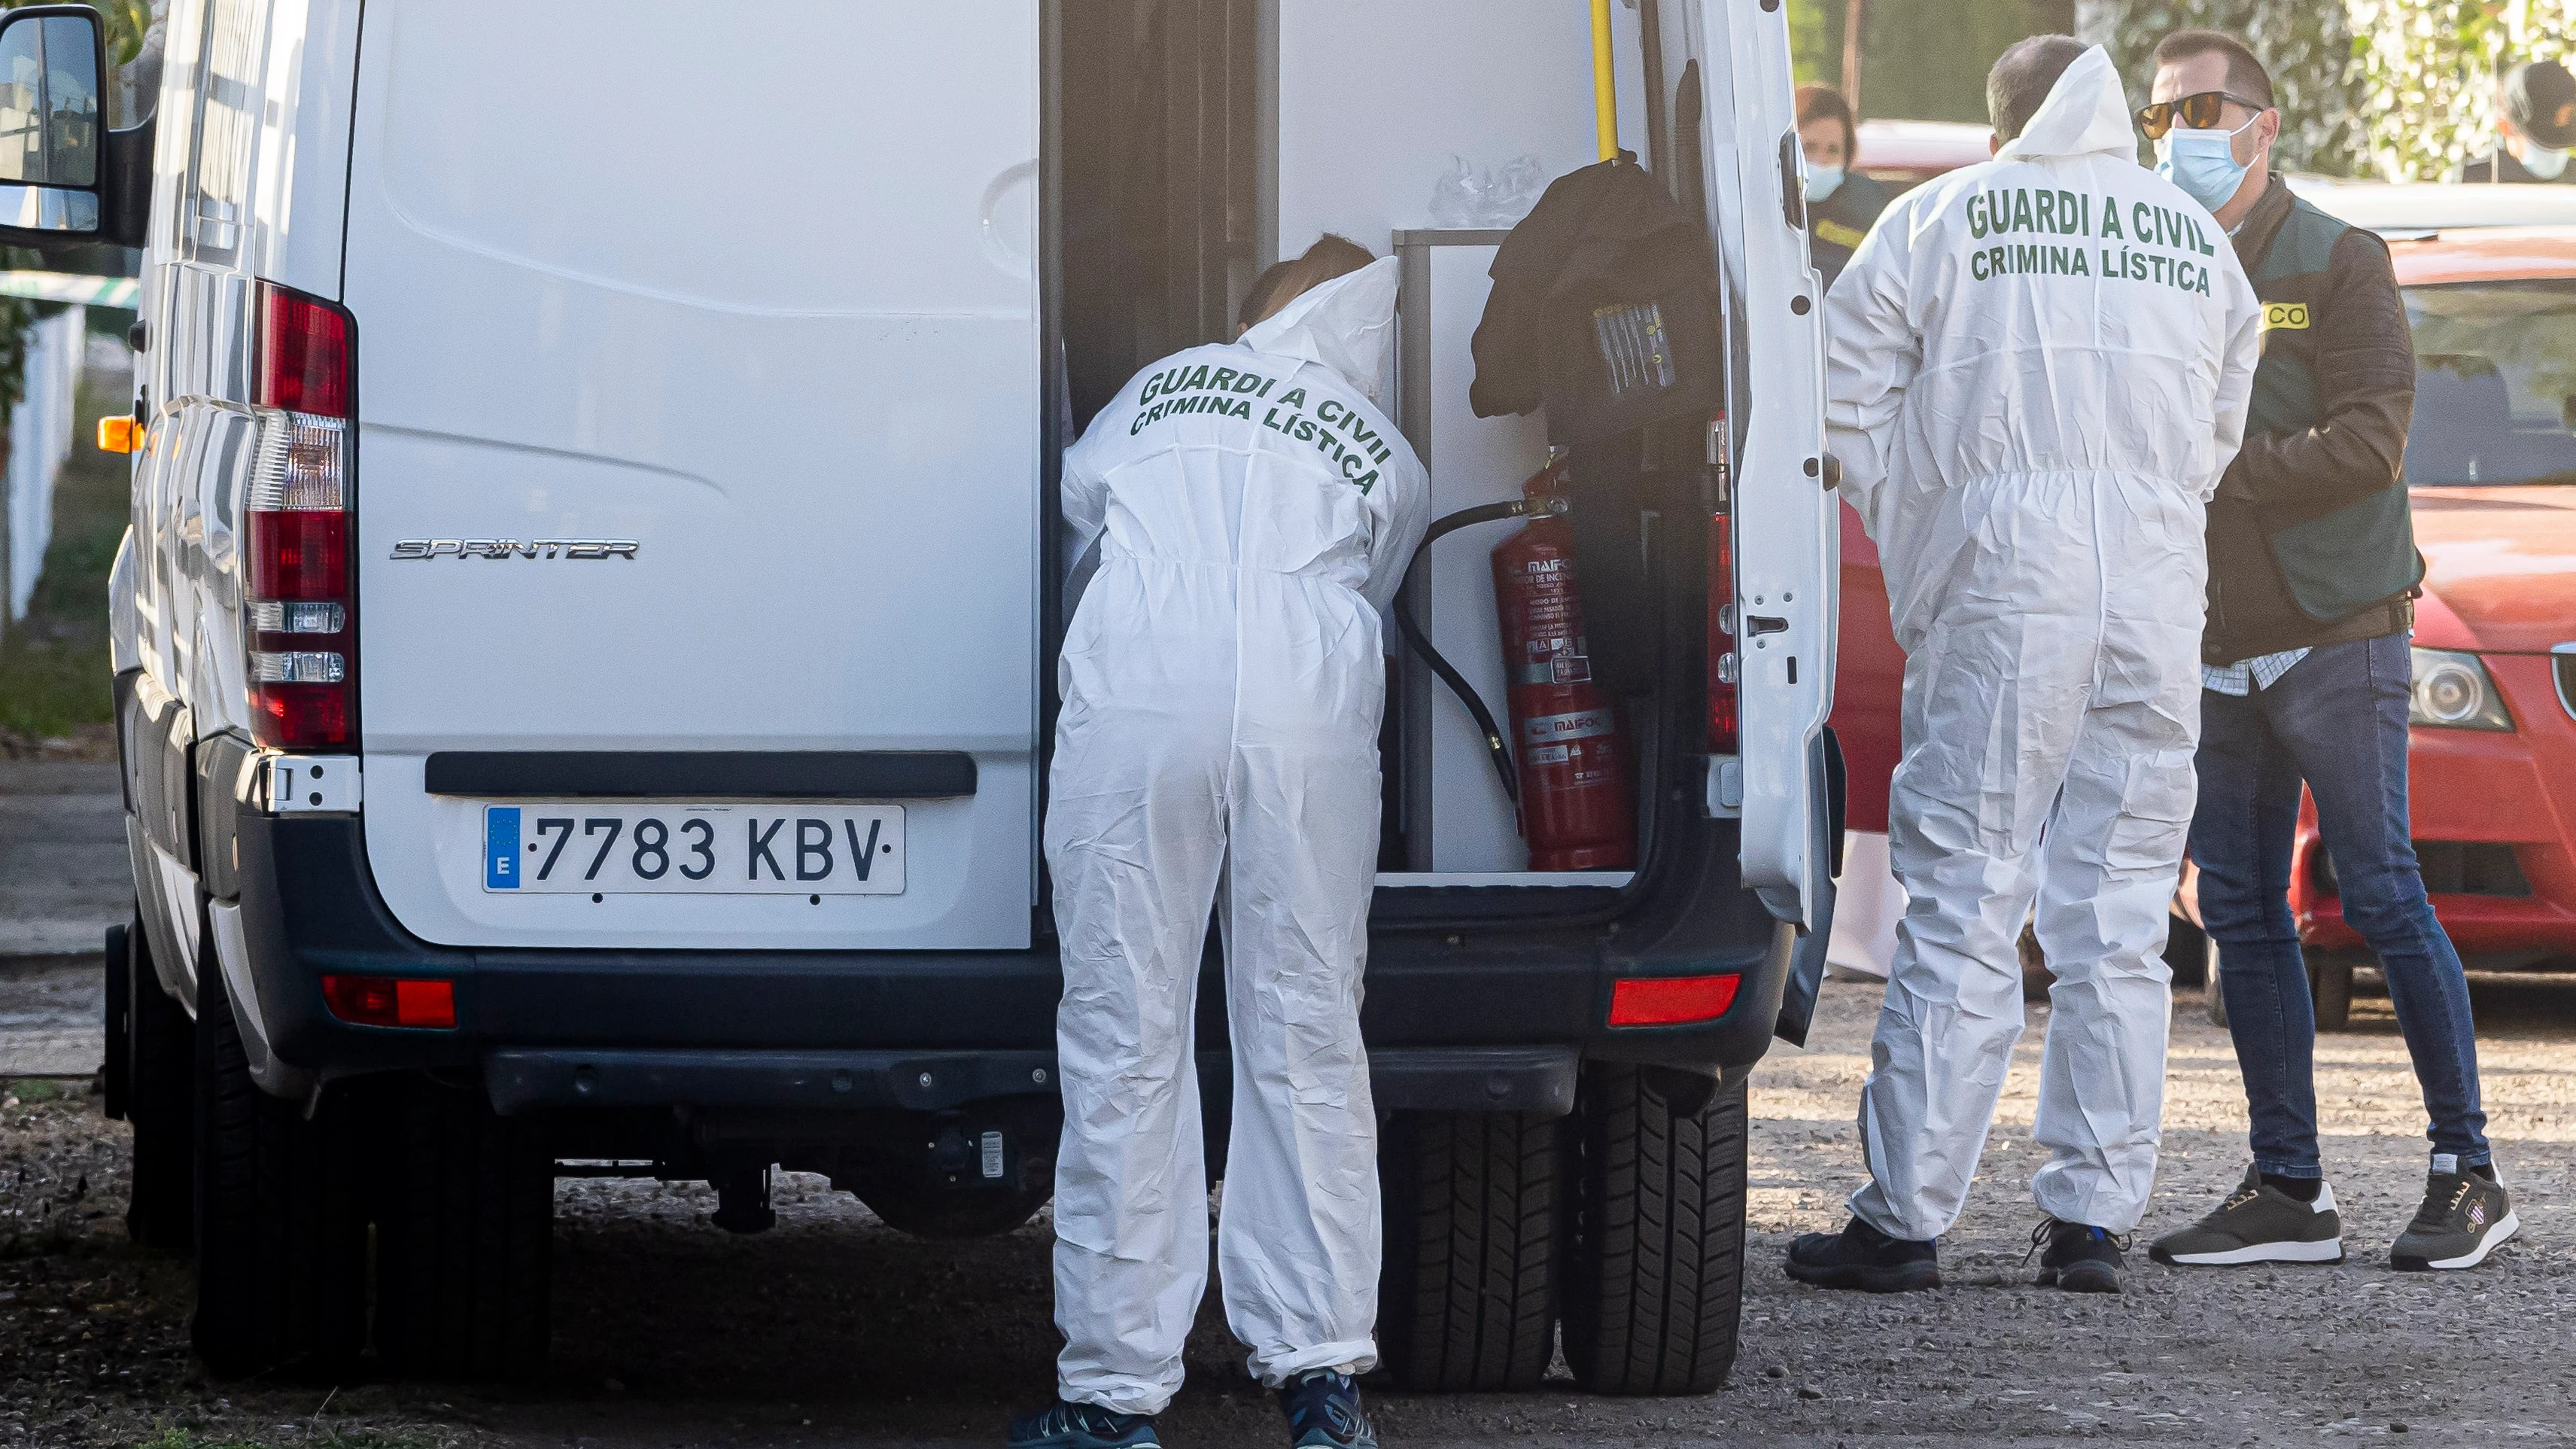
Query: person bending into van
x=2038, y=369
x=2312, y=572
x=1223, y=681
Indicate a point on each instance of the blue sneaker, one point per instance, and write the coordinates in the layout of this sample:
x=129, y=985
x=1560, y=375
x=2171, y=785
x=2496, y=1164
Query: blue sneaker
x=1323, y=1410
x=1061, y=1425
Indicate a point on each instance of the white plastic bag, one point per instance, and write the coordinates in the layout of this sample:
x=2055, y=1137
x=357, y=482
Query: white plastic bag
x=1469, y=197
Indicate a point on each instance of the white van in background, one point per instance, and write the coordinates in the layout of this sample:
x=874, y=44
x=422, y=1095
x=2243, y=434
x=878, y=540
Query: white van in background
x=586, y=640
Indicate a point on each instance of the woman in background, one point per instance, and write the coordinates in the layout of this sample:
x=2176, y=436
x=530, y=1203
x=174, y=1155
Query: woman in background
x=1841, y=203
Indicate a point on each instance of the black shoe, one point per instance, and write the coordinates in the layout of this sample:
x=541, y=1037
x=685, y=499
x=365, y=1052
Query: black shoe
x=1323, y=1410
x=1862, y=1257
x=2464, y=1218
x=2258, y=1223
x=2077, y=1258
x=1061, y=1425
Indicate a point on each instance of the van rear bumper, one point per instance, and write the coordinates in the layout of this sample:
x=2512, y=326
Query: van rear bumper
x=1459, y=1015
x=1495, y=1079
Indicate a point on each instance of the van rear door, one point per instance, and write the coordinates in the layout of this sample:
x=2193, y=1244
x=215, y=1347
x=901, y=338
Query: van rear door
x=751, y=292
x=1784, y=520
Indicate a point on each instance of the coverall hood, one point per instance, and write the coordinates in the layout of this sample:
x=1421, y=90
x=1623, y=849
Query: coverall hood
x=1346, y=324
x=2086, y=111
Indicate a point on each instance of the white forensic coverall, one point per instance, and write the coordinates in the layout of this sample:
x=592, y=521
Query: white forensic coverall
x=2038, y=369
x=1223, y=680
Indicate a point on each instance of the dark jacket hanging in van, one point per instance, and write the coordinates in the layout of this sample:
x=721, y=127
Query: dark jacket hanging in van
x=1604, y=309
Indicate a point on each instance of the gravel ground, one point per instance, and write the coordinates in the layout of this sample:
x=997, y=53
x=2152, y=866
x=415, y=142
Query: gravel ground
x=832, y=1330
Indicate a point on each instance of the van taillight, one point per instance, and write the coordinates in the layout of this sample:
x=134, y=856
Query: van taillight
x=299, y=610
x=1723, y=666
x=385, y=1001
x=303, y=354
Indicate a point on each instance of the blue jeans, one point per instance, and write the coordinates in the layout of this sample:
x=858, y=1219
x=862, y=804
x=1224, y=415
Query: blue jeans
x=2337, y=720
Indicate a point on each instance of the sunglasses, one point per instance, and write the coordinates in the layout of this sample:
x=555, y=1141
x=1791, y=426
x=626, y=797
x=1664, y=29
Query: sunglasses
x=2199, y=112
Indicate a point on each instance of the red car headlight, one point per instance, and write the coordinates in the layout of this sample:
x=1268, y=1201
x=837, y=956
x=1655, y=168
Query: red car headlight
x=2453, y=691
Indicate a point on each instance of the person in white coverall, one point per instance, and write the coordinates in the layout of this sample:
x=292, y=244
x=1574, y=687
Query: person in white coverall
x=1223, y=680
x=2038, y=369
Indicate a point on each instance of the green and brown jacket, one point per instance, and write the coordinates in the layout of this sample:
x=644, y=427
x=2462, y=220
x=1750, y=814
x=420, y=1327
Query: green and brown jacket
x=2310, y=541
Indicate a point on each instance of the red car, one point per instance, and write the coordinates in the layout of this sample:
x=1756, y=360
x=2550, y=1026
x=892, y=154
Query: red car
x=2491, y=469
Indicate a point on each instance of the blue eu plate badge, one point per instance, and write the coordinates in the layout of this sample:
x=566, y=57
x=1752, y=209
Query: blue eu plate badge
x=501, y=848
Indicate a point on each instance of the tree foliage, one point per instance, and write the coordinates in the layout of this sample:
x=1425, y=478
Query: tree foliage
x=2307, y=45
x=2429, y=68
x=127, y=20
x=1920, y=60
x=2403, y=90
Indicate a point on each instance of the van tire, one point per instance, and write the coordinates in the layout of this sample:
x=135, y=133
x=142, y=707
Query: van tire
x=281, y=1215
x=159, y=1062
x=464, y=1238
x=1654, y=1287
x=2330, y=987
x=2187, y=952
x=1467, y=1295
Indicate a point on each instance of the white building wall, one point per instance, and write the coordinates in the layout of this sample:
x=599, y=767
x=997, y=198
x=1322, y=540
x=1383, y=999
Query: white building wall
x=40, y=439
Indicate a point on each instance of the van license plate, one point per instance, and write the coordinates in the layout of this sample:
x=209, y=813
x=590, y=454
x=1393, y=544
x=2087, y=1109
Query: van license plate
x=579, y=847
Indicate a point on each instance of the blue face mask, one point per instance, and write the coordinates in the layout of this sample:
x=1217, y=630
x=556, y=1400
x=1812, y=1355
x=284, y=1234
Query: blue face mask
x=1823, y=181
x=2202, y=163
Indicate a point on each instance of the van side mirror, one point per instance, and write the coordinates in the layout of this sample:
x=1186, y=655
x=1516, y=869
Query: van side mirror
x=66, y=180
x=52, y=125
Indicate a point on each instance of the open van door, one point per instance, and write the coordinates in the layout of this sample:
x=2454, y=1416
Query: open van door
x=1784, y=541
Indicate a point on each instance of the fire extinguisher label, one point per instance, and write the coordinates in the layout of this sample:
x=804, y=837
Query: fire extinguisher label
x=1558, y=660
x=1582, y=724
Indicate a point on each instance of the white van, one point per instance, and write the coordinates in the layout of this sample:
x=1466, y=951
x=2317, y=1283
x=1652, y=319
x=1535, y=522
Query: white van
x=586, y=639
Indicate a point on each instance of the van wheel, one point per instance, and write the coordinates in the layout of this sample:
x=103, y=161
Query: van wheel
x=281, y=1220
x=116, y=1067
x=2036, y=978
x=1656, y=1282
x=2330, y=986
x=1467, y=1293
x=2187, y=951
x=464, y=1239
x=153, y=1049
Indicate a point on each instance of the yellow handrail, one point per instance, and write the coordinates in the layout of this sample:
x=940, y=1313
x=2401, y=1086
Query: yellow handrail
x=1605, y=93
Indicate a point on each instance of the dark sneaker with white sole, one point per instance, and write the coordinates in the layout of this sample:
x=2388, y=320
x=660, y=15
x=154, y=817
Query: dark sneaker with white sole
x=2464, y=1218
x=2258, y=1223
x=2078, y=1258
x=1862, y=1257
x=1323, y=1410
x=1063, y=1425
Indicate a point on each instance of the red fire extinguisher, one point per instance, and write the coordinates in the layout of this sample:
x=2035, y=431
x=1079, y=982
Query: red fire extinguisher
x=1577, y=812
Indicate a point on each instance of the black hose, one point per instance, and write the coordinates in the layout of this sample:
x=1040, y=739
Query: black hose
x=1496, y=746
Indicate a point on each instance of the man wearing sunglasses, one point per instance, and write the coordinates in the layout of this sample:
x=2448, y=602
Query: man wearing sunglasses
x=2306, y=673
